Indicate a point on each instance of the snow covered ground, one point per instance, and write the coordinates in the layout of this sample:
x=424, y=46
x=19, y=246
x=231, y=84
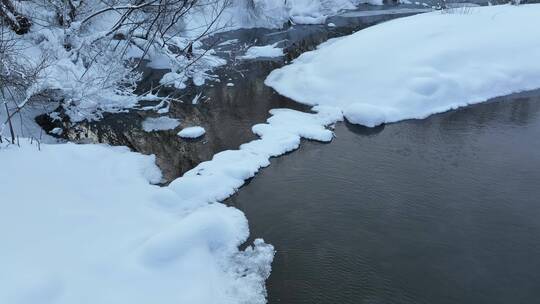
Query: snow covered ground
x=417, y=66
x=273, y=14
x=83, y=223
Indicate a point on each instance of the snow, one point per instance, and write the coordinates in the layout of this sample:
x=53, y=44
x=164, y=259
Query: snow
x=85, y=224
x=267, y=51
x=82, y=224
x=192, y=132
x=389, y=11
x=57, y=131
x=91, y=75
x=413, y=67
x=24, y=123
x=228, y=170
x=316, y=12
x=161, y=123
x=228, y=42
x=275, y=13
x=196, y=99
x=183, y=69
x=93, y=228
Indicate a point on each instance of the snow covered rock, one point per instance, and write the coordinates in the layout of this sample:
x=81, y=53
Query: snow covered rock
x=161, y=123
x=274, y=13
x=420, y=65
x=192, y=132
x=267, y=51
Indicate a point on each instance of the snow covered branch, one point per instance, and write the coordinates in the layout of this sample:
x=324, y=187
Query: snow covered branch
x=19, y=23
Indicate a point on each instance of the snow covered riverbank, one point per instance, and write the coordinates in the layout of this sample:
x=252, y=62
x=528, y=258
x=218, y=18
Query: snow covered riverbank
x=417, y=66
x=83, y=224
x=273, y=14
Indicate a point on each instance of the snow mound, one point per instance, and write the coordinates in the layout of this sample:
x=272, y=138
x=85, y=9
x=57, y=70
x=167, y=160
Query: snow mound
x=273, y=14
x=268, y=51
x=82, y=224
x=227, y=171
x=364, y=114
x=192, y=132
x=413, y=67
x=161, y=123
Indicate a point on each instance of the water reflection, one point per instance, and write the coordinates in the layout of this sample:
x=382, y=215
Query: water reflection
x=365, y=131
x=227, y=113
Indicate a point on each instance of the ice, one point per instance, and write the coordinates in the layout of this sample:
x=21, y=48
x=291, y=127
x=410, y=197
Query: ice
x=267, y=51
x=192, y=132
x=161, y=123
x=412, y=67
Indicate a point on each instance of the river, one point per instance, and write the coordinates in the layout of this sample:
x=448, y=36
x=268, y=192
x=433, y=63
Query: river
x=441, y=210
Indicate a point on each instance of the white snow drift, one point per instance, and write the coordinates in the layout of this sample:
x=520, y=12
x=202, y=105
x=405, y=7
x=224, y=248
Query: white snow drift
x=192, y=132
x=274, y=13
x=161, y=123
x=266, y=51
x=416, y=66
x=82, y=224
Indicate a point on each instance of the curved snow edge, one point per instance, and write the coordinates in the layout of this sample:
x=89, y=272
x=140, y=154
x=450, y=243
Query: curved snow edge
x=106, y=235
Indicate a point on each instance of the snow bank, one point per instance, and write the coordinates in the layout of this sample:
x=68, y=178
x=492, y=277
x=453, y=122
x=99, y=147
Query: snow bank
x=161, y=123
x=417, y=66
x=82, y=223
x=24, y=123
x=273, y=14
x=84, y=65
x=228, y=170
x=267, y=51
x=192, y=132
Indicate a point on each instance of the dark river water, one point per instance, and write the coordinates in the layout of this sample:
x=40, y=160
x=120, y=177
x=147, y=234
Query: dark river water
x=441, y=210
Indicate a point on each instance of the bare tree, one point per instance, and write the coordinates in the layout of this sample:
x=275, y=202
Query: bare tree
x=98, y=59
